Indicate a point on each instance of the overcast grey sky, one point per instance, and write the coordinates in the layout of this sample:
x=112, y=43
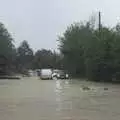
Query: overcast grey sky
x=40, y=21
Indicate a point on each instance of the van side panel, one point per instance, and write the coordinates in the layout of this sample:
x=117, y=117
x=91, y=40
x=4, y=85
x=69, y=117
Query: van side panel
x=46, y=73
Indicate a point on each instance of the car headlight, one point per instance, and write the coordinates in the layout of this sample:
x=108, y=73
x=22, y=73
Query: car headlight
x=67, y=75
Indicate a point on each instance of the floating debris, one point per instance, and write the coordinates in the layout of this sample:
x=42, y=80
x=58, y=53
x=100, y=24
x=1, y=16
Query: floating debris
x=86, y=88
x=105, y=88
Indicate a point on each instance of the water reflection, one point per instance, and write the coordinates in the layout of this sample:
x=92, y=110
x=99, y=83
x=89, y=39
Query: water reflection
x=59, y=89
x=61, y=85
x=62, y=104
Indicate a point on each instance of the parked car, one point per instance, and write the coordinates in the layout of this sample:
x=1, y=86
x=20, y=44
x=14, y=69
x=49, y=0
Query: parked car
x=46, y=74
x=30, y=73
x=59, y=74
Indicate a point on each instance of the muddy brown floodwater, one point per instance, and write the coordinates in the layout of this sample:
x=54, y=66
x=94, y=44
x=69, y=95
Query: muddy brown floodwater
x=34, y=99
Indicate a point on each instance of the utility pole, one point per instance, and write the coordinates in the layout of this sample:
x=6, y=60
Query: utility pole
x=99, y=21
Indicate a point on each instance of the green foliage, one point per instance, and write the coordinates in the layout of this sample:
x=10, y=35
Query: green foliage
x=7, y=49
x=91, y=53
x=6, y=42
x=24, y=56
x=85, y=52
x=46, y=59
x=72, y=45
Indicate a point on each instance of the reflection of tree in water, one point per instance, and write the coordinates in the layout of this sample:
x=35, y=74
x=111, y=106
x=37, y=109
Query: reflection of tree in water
x=59, y=86
x=62, y=103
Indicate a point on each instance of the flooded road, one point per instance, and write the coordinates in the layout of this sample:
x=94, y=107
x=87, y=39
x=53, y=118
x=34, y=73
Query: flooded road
x=34, y=99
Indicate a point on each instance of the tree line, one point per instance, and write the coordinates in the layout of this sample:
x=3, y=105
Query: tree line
x=85, y=51
x=92, y=52
x=22, y=58
x=26, y=58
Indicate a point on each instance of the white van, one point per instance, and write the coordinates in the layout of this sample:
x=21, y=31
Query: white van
x=46, y=74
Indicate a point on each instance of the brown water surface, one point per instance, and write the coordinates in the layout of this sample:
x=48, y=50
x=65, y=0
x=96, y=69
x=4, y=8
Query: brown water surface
x=34, y=99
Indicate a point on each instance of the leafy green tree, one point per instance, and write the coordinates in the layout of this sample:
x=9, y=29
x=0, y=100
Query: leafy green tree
x=47, y=59
x=6, y=42
x=102, y=58
x=7, y=48
x=24, y=56
x=91, y=52
x=72, y=46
